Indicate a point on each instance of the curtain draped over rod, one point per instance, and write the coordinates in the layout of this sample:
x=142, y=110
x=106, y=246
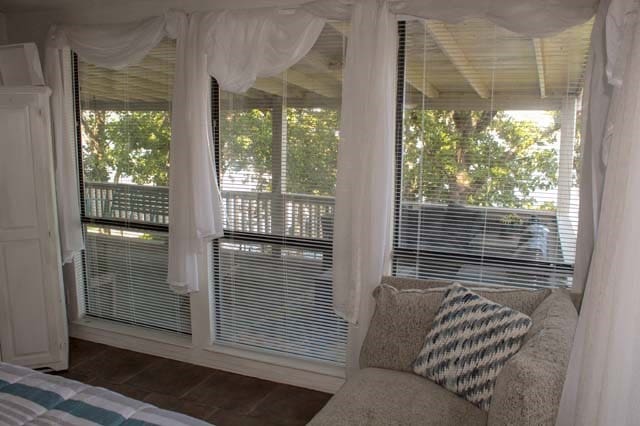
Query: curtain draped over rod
x=364, y=188
x=601, y=387
x=265, y=41
x=238, y=46
x=529, y=17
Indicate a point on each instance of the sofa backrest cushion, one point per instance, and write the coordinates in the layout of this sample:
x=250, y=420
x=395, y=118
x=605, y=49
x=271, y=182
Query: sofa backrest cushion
x=403, y=318
x=529, y=387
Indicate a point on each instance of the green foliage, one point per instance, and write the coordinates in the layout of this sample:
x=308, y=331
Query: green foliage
x=476, y=158
x=312, y=151
x=311, y=148
x=133, y=144
x=245, y=140
x=472, y=157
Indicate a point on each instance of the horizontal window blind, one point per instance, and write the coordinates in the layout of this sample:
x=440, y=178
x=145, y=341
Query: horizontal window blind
x=126, y=272
x=271, y=275
x=488, y=153
x=124, y=119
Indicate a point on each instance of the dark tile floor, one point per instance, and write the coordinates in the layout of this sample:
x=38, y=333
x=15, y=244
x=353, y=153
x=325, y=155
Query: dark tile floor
x=215, y=396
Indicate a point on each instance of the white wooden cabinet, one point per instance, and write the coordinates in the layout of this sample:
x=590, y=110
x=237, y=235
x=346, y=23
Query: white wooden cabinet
x=33, y=327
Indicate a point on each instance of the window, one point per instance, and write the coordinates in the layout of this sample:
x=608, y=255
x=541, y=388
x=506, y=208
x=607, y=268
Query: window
x=488, y=155
x=124, y=130
x=271, y=276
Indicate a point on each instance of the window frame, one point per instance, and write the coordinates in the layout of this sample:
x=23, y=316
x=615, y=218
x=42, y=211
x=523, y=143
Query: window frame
x=84, y=219
x=399, y=253
x=325, y=246
x=102, y=222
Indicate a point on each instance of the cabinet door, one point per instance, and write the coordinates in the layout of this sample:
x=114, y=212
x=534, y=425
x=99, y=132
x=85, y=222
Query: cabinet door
x=32, y=312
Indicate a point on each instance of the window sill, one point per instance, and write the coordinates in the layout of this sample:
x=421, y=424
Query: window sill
x=325, y=369
x=125, y=330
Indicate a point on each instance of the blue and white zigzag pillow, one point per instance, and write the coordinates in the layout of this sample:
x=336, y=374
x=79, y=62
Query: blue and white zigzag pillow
x=470, y=341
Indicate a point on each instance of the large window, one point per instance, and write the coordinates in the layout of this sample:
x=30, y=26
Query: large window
x=487, y=153
x=124, y=132
x=271, y=277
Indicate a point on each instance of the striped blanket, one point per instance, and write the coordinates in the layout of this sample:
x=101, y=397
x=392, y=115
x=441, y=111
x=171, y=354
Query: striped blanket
x=28, y=397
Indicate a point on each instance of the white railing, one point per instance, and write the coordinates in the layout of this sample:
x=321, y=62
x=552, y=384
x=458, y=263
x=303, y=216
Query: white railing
x=305, y=216
x=294, y=215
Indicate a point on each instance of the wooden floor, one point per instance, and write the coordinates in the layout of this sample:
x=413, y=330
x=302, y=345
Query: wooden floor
x=212, y=395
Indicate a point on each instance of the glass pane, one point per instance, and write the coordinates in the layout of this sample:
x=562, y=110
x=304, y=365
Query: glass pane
x=125, y=119
x=126, y=280
x=279, y=144
x=489, y=182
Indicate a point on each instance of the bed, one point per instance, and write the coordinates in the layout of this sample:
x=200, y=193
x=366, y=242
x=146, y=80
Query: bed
x=28, y=397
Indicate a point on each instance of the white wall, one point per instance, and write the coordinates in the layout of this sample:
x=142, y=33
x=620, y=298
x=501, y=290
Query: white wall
x=32, y=25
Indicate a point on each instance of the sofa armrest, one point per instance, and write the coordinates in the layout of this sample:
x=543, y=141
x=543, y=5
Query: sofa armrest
x=529, y=387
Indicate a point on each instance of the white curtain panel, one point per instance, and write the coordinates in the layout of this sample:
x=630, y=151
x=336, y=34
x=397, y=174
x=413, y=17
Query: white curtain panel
x=530, y=17
x=242, y=45
x=364, y=191
x=603, y=380
x=70, y=228
x=595, y=133
x=195, y=203
x=235, y=47
x=113, y=46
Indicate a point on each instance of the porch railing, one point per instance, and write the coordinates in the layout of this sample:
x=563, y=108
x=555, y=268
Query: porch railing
x=295, y=215
x=298, y=215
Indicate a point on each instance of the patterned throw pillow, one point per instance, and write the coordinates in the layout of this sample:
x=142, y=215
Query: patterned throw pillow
x=470, y=341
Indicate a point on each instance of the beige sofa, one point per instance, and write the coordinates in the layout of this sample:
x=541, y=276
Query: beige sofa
x=386, y=392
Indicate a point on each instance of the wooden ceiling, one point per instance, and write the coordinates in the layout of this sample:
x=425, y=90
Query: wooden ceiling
x=472, y=65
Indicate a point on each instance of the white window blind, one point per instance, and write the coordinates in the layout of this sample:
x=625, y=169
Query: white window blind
x=125, y=130
x=271, y=276
x=488, y=153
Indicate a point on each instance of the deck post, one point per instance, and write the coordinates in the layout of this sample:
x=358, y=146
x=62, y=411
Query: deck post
x=566, y=228
x=279, y=163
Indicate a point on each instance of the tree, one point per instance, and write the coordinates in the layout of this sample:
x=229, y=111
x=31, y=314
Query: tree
x=478, y=158
x=311, y=148
x=471, y=157
x=245, y=141
x=132, y=144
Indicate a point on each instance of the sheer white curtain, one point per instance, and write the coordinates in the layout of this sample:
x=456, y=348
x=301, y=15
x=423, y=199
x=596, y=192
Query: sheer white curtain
x=236, y=47
x=113, y=46
x=364, y=189
x=596, y=100
x=71, y=241
x=530, y=17
x=603, y=381
x=364, y=193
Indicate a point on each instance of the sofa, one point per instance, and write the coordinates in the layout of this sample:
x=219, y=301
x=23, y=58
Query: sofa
x=385, y=391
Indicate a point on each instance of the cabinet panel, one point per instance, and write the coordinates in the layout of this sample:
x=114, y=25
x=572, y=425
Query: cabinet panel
x=24, y=300
x=17, y=186
x=33, y=329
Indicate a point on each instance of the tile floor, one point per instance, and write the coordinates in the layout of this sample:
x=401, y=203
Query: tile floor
x=215, y=396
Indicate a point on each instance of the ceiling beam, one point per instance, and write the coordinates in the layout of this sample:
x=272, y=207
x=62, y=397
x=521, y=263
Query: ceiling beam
x=316, y=84
x=323, y=64
x=537, y=48
x=419, y=82
x=275, y=86
x=452, y=50
x=424, y=87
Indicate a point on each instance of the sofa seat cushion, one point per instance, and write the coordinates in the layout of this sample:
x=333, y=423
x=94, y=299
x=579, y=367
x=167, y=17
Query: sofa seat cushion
x=376, y=396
